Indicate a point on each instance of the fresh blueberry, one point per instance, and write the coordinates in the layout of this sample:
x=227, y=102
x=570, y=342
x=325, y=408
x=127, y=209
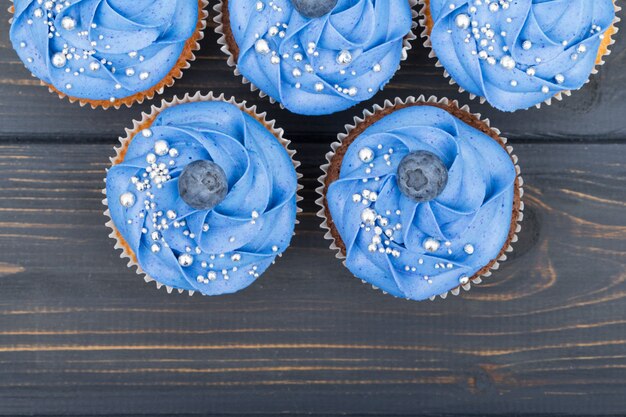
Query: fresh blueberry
x=422, y=176
x=203, y=185
x=314, y=8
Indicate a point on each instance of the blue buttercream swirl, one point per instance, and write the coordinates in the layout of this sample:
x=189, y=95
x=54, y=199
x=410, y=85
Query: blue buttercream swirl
x=323, y=65
x=102, y=49
x=215, y=251
x=387, y=235
x=520, y=53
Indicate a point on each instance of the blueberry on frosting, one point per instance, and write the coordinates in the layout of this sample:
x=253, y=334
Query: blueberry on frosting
x=102, y=50
x=519, y=53
x=422, y=176
x=422, y=202
x=203, y=185
x=318, y=65
x=204, y=198
x=314, y=8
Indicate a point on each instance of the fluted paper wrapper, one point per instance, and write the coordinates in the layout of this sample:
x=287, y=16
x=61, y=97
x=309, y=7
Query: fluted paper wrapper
x=219, y=29
x=605, y=50
x=145, y=122
x=184, y=62
x=518, y=215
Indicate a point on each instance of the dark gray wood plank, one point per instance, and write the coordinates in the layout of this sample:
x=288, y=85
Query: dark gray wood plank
x=82, y=334
x=27, y=110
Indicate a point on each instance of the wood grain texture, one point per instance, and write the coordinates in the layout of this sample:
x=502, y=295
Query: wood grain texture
x=594, y=113
x=82, y=334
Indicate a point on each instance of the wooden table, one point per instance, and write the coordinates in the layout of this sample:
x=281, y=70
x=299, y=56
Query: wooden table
x=82, y=334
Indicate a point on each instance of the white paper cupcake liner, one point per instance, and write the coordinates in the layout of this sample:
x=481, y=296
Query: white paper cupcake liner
x=219, y=29
x=175, y=74
x=146, y=120
x=423, y=6
x=321, y=190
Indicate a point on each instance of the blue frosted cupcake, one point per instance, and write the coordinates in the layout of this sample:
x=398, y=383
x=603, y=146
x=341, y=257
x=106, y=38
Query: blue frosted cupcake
x=421, y=198
x=202, y=195
x=316, y=57
x=519, y=54
x=107, y=53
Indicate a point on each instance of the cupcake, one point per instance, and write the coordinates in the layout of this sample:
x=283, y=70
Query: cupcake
x=421, y=198
x=519, y=54
x=316, y=57
x=107, y=53
x=202, y=195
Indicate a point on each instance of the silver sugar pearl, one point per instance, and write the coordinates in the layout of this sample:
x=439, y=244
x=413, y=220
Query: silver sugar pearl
x=161, y=147
x=507, y=62
x=127, y=200
x=185, y=260
x=469, y=249
x=344, y=57
x=68, y=23
x=464, y=280
x=366, y=155
x=262, y=47
x=431, y=244
x=59, y=60
x=368, y=216
x=462, y=21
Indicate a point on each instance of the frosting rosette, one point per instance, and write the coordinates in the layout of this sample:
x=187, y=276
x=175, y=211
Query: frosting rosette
x=191, y=151
x=518, y=54
x=320, y=65
x=419, y=245
x=103, y=51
